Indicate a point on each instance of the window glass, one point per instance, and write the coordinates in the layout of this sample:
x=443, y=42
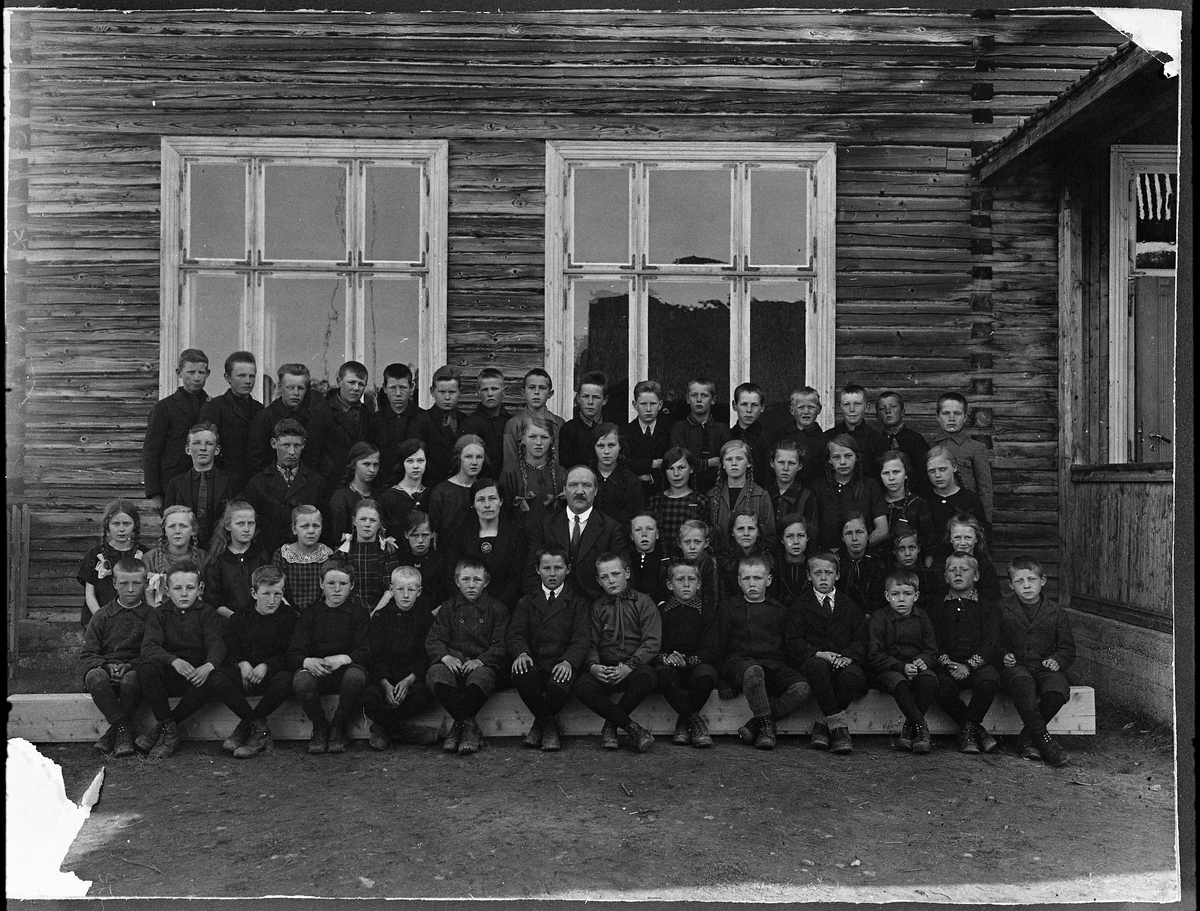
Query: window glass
x=305, y=216
x=305, y=321
x=601, y=227
x=689, y=335
x=777, y=313
x=601, y=332
x=689, y=216
x=216, y=307
x=392, y=214
x=217, y=212
x=779, y=234
x=391, y=323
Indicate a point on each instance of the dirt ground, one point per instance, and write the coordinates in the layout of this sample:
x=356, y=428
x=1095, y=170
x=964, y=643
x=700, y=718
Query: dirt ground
x=677, y=823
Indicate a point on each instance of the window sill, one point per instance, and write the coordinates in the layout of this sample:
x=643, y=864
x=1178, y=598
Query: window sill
x=1132, y=473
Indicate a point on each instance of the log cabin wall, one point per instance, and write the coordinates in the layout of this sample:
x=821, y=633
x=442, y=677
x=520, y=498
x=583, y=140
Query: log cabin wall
x=941, y=285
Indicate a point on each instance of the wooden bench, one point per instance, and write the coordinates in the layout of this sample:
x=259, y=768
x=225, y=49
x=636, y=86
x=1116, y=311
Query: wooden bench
x=73, y=718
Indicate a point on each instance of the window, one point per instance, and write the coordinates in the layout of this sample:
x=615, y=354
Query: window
x=668, y=260
x=316, y=251
x=1143, y=247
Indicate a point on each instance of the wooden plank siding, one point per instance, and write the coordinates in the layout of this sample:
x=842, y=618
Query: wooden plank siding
x=941, y=285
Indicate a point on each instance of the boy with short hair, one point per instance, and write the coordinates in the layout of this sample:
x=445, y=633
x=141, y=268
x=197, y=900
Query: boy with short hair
x=538, y=389
x=398, y=662
x=967, y=627
x=753, y=634
x=256, y=663
x=575, y=437
x=828, y=638
x=300, y=560
x=889, y=412
x=232, y=413
x=805, y=406
x=700, y=434
x=871, y=443
x=490, y=417
x=548, y=638
x=691, y=645
x=111, y=645
x=163, y=455
x=390, y=424
x=647, y=437
x=1038, y=648
x=649, y=559
x=465, y=646
x=181, y=648
x=290, y=402
x=277, y=490
x=205, y=489
x=328, y=654
x=969, y=455
x=748, y=403
x=626, y=634
x=902, y=652
x=440, y=426
x=336, y=423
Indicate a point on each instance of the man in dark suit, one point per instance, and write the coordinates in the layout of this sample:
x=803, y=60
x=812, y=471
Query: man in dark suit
x=647, y=437
x=163, y=455
x=278, y=489
x=583, y=532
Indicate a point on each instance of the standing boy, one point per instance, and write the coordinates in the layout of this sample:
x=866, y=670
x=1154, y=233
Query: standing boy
x=336, y=423
x=489, y=418
x=754, y=631
x=328, y=654
x=440, y=426
x=205, y=489
x=232, y=414
x=889, y=411
x=111, y=645
x=626, y=636
x=575, y=438
x=538, y=389
x=289, y=403
x=163, y=455
x=748, y=403
x=970, y=456
x=871, y=443
x=699, y=434
x=275, y=491
x=805, y=406
x=647, y=437
x=391, y=423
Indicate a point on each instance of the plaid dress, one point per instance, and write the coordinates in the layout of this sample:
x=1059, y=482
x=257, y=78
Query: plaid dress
x=672, y=512
x=302, y=573
x=372, y=570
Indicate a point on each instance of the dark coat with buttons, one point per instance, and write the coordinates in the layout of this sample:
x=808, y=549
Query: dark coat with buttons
x=1037, y=634
x=550, y=633
x=398, y=640
x=261, y=638
x=894, y=641
x=753, y=631
x=469, y=630
x=166, y=434
x=323, y=631
x=964, y=628
x=232, y=417
x=194, y=635
x=814, y=629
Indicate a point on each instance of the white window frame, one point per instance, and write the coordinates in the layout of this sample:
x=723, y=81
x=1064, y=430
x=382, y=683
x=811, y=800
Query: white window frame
x=431, y=155
x=819, y=332
x=1125, y=162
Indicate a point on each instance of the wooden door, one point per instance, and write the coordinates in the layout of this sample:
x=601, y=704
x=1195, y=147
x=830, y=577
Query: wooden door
x=1153, y=365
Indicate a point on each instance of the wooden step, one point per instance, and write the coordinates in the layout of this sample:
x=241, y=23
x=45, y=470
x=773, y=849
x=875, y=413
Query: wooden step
x=72, y=718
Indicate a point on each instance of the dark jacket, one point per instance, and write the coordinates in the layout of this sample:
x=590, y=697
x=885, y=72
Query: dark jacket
x=436, y=572
x=863, y=579
x=232, y=416
x=796, y=500
x=398, y=641
x=753, y=631
x=114, y=634
x=602, y=534
x=332, y=431
x=814, y=629
x=966, y=627
x=894, y=641
x=260, y=638
x=273, y=500
x=194, y=635
x=551, y=633
x=227, y=578
x=439, y=442
x=988, y=584
x=690, y=630
x=469, y=630
x=626, y=629
x=184, y=490
x=913, y=512
x=703, y=442
x=640, y=452
x=619, y=496
x=387, y=430
x=758, y=438
x=944, y=509
x=259, y=454
x=575, y=443
x=648, y=572
x=323, y=631
x=489, y=428
x=812, y=447
x=1033, y=635
x=752, y=498
x=166, y=435
x=871, y=445
x=505, y=560
x=913, y=445
x=836, y=501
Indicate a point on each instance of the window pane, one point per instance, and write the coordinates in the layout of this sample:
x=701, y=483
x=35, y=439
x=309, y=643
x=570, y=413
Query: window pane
x=602, y=334
x=305, y=213
x=1157, y=200
x=779, y=218
x=777, y=313
x=217, y=211
x=391, y=321
x=305, y=322
x=215, y=307
x=393, y=214
x=689, y=217
x=688, y=325
x=601, y=230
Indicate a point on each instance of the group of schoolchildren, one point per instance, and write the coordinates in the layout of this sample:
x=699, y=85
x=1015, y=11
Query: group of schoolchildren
x=397, y=557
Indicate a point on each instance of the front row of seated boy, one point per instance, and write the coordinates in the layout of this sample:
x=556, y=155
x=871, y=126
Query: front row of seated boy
x=398, y=659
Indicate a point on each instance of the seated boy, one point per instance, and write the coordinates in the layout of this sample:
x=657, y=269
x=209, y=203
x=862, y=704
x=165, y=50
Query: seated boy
x=967, y=628
x=626, y=632
x=205, y=489
x=549, y=637
x=256, y=663
x=754, y=631
x=111, y=645
x=828, y=638
x=575, y=439
x=336, y=423
x=1038, y=647
x=275, y=491
x=232, y=414
x=163, y=456
x=328, y=654
x=465, y=647
x=902, y=652
x=686, y=666
x=398, y=663
x=182, y=646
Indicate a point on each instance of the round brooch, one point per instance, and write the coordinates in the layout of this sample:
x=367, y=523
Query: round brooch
x=486, y=547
